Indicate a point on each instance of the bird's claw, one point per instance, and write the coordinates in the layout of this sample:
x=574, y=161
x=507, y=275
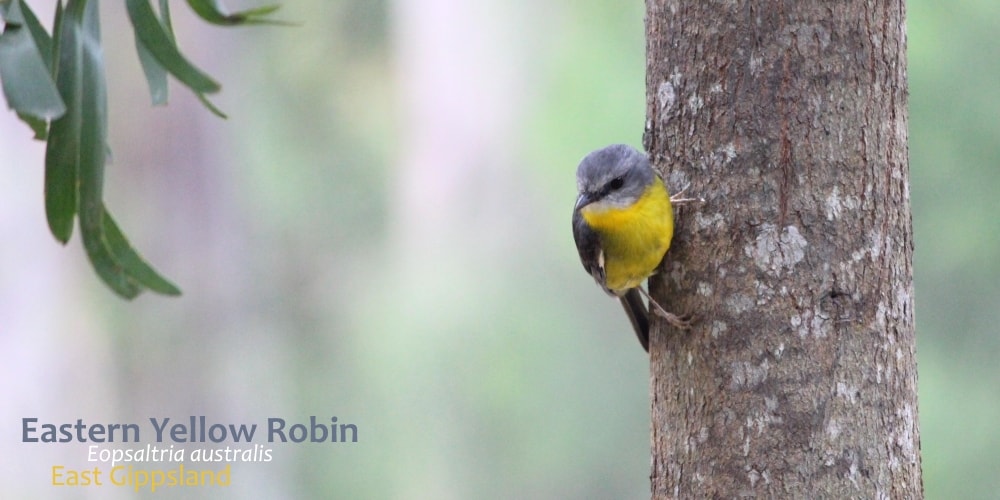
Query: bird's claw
x=678, y=198
x=679, y=322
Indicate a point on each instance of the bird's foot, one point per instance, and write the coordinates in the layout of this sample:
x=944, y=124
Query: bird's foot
x=679, y=322
x=679, y=199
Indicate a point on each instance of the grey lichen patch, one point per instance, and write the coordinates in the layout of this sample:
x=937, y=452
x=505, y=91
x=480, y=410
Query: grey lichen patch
x=695, y=102
x=728, y=152
x=878, y=243
x=677, y=181
x=771, y=403
x=764, y=293
x=718, y=328
x=882, y=319
x=675, y=271
x=904, y=300
x=738, y=303
x=720, y=157
x=714, y=221
x=833, y=428
x=756, y=64
x=778, y=351
x=746, y=375
x=812, y=321
x=850, y=393
x=835, y=204
x=805, y=37
x=777, y=252
x=666, y=95
x=906, y=432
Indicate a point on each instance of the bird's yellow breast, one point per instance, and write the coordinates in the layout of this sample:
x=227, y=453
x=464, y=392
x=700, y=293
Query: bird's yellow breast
x=634, y=238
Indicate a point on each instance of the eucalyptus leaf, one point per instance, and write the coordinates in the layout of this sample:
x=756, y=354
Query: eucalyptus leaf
x=57, y=86
x=38, y=126
x=156, y=74
x=134, y=265
x=62, y=153
x=211, y=11
x=165, y=18
x=211, y=107
x=78, y=150
x=24, y=71
x=42, y=39
x=155, y=37
x=81, y=49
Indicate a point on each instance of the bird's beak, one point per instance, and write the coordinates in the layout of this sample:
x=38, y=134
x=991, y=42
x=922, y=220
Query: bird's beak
x=584, y=200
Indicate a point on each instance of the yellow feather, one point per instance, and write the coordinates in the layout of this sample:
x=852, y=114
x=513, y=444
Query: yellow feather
x=634, y=238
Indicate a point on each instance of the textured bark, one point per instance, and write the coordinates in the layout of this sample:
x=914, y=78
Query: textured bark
x=798, y=379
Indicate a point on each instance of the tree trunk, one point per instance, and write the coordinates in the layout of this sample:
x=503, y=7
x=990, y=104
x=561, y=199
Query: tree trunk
x=798, y=379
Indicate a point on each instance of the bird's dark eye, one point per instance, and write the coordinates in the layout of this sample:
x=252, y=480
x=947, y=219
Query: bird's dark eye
x=616, y=183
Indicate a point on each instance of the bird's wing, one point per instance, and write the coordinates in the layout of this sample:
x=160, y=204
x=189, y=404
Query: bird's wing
x=588, y=244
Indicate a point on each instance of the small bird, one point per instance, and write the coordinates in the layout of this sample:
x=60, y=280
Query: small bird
x=623, y=223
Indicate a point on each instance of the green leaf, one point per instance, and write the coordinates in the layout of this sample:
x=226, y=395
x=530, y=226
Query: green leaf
x=39, y=126
x=155, y=37
x=42, y=39
x=25, y=71
x=211, y=107
x=158, y=51
x=211, y=11
x=156, y=75
x=63, y=149
x=165, y=17
x=56, y=36
x=134, y=265
x=81, y=82
x=78, y=151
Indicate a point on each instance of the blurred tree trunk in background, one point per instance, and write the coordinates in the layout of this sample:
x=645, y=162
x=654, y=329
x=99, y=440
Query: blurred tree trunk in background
x=799, y=376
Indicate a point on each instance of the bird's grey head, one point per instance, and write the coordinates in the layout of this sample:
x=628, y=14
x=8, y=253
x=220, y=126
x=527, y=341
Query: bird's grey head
x=612, y=177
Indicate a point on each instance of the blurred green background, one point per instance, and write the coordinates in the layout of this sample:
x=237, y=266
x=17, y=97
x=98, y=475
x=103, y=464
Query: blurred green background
x=381, y=233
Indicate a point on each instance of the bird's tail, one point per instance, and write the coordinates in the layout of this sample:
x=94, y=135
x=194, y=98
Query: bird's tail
x=637, y=314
